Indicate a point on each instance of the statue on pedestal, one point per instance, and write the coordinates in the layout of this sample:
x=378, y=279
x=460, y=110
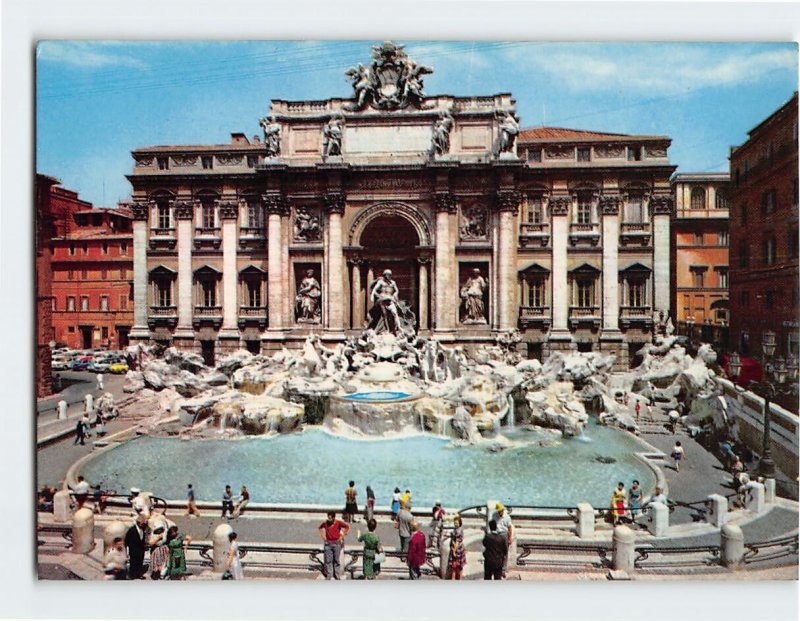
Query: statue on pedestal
x=509, y=130
x=272, y=136
x=332, y=137
x=472, y=298
x=307, y=306
x=441, y=134
x=388, y=313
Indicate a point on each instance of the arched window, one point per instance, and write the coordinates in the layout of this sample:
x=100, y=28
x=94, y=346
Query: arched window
x=698, y=198
x=722, y=199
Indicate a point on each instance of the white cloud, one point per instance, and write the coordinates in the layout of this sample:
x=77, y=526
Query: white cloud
x=655, y=68
x=86, y=54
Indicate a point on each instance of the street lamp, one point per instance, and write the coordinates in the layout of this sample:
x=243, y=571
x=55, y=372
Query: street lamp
x=774, y=381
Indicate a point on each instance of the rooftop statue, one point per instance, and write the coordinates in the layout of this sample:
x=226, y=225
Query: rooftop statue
x=272, y=135
x=509, y=129
x=390, y=82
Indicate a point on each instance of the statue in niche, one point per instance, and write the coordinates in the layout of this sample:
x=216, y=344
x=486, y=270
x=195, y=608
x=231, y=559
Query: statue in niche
x=272, y=135
x=441, y=134
x=332, y=137
x=473, y=308
x=509, y=130
x=473, y=224
x=388, y=313
x=307, y=306
x=306, y=226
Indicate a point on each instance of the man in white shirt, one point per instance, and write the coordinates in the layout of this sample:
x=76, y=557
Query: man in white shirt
x=140, y=503
x=658, y=497
x=81, y=491
x=504, y=527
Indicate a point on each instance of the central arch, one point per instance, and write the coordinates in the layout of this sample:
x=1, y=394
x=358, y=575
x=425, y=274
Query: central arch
x=391, y=209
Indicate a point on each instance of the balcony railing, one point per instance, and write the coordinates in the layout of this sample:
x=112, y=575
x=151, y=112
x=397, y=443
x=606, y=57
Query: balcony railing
x=207, y=231
x=534, y=312
x=580, y=232
x=207, y=311
x=584, y=311
x=252, y=311
x=251, y=231
x=636, y=311
x=530, y=232
x=163, y=311
x=635, y=227
x=162, y=232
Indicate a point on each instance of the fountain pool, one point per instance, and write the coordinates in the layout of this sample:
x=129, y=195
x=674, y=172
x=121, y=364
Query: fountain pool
x=313, y=467
x=377, y=395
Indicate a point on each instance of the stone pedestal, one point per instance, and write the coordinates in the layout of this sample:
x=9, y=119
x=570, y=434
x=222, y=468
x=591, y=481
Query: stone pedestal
x=659, y=519
x=62, y=410
x=732, y=546
x=661, y=254
x=83, y=531
x=586, y=520
x=755, y=497
x=112, y=531
x=717, y=510
x=444, y=555
x=221, y=545
x=61, y=502
x=769, y=491
x=88, y=403
x=624, y=553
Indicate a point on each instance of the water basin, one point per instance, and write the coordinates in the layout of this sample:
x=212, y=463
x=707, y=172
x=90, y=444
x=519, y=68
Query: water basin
x=314, y=467
x=376, y=395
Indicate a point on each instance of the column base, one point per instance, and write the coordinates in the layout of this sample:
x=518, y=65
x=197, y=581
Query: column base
x=558, y=340
x=330, y=334
x=228, y=341
x=612, y=342
x=139, y=334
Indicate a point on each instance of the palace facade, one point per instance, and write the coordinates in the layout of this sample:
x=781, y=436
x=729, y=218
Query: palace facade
x=257, y=243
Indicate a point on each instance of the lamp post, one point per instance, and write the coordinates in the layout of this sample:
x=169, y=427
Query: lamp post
x=775, y=374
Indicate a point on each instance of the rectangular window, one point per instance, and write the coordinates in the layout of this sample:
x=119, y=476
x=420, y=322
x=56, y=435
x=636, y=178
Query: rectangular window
x=71, y=329
x=207, y=161
x=794, y=245
x=535, y=210
x=123, y=273
x=85, y=249
x=163, y=163
x=70, y=302
x=105, y=248
x=104, y=332
x=123, y=302
x=585, y=293
x=698, y=277
x=634, y=209
x=164, y=293
x=84, y=303
x=768, y=202
x=722, y=277
x=103, y=302
x=722, y=238
x=70, y=275
x=123, y=249
x=584, y=215
x=584, y=154
x=795, y=192
x=54, y=306
x=209, y=294
x=208, y=215
x=769, y=298
x=163, y=217
x=536, y=291
x=534, y=155
x=698, y=239
x=103, y=274
x=84, y=275
x=768, y=247
x=255, y=219
x=254, y=294
x=793, y=345
x=252, y=161
x=636, y=293
x=744, y=255
x=72, y=250
x=743, y=214
x=634, y=154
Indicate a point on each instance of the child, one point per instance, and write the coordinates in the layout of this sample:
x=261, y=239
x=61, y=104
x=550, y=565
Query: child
x=678, y=454
x=395, y=503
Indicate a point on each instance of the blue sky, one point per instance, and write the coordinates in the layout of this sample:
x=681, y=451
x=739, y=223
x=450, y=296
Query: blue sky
x=96, y=101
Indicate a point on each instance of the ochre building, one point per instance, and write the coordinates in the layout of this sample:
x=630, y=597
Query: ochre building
x=562, y=234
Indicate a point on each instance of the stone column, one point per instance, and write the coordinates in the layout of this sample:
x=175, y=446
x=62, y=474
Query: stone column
x=624, y=549
x=611, y=340
x=732, y=546
x=445, y=267
x=184, y=213
x=228, y=214
x=586, y=521
x=662, y=208
x=139, y=330
x=508, y=206
x=356, y=294
x=423, y=292
x=82, y=531
x=220, y=545
x=560, y=336
x=334, y=204
x=276, y=208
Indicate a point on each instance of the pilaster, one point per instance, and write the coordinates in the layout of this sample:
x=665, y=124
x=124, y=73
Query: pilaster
x=559, y=338
x=446, y=305
x=228, y=215
x=662, y=207
x=508, y=207
x=334, y=258
x=139, y=330
x=184, y=213
x=275, y=206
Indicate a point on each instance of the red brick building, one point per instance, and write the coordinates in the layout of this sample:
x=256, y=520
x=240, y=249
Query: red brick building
x=44, y=327
x=91, y=282
x=764, y=236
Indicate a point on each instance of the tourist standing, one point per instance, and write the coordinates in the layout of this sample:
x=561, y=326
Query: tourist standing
x=135, y=540
x=233, y=564
x=99, y=425
x=241, y=502
x=81, y=492
x=406, y=499
x=80, y=433
x=372, y=547
x=635, y=500
x=100, y=498
x=678, y=455
x=658, y=497
x=87, y=426
x=177, y=543
x=350, y=505
x=115, y=561
x=395, y=503
x=495, y=553
x=618, y=503
x=504, y=527
x=416, y=551
x=227, y=502
x=458, y=555
x=737, y=469
x=159, y=553
x=674, y=417
x=100, y=381
x=333, y=532
x=191, y=505
x=437, y=524
x=140, y=504
x=369, y=510
x=403, y=526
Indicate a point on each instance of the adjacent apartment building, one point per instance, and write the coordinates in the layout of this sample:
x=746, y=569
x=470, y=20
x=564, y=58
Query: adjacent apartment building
x=700, y=236
x=764, y=236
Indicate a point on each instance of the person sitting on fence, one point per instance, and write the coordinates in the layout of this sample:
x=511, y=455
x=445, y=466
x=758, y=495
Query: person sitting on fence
x=241, y=502
x=81, y=492
x=44, y=499
x=658, y=497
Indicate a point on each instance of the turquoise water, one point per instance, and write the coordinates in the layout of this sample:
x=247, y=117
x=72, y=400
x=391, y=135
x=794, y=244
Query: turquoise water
x=314, y=467
x=376, y=395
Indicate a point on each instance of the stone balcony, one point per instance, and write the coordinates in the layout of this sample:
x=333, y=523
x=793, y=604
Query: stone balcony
x=584, y=234
x=584, y=315
x=252, y=315
x=162, y=315
x=629, y=315
x=251, y=236
x=534, y=234
x=534, y=317
x=634, y=233
x=208, y=237
x=162, y=238
x=203, y=314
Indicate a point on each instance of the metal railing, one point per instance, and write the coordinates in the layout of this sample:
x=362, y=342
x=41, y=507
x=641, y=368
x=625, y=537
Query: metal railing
x=777, y=548
x=429, y=569
x=312, y=556
x=526, y=550
x=643, y=554
x=64, y=530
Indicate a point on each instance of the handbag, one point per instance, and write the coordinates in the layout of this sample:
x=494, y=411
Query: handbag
x=380, y=557
x=227, y=575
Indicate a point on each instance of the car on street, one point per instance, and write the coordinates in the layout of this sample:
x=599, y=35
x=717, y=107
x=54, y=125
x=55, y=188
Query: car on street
x=118, y=367
x=59, y=363
x=81, y=363
x=100, y=365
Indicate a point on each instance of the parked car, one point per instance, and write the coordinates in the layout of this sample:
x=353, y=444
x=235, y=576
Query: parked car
x=118, y=367
x=80, y=365
x=59, y=363
x=100, y=365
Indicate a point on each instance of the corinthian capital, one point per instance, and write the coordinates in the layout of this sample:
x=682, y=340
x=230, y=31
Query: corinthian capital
x=334, y=202
x=661, y=205
x=559, y=205
x=609, y=204
x=274, y=203
x=140, y=210
x=508, y=200
x=444, y=201
x=228, y=210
